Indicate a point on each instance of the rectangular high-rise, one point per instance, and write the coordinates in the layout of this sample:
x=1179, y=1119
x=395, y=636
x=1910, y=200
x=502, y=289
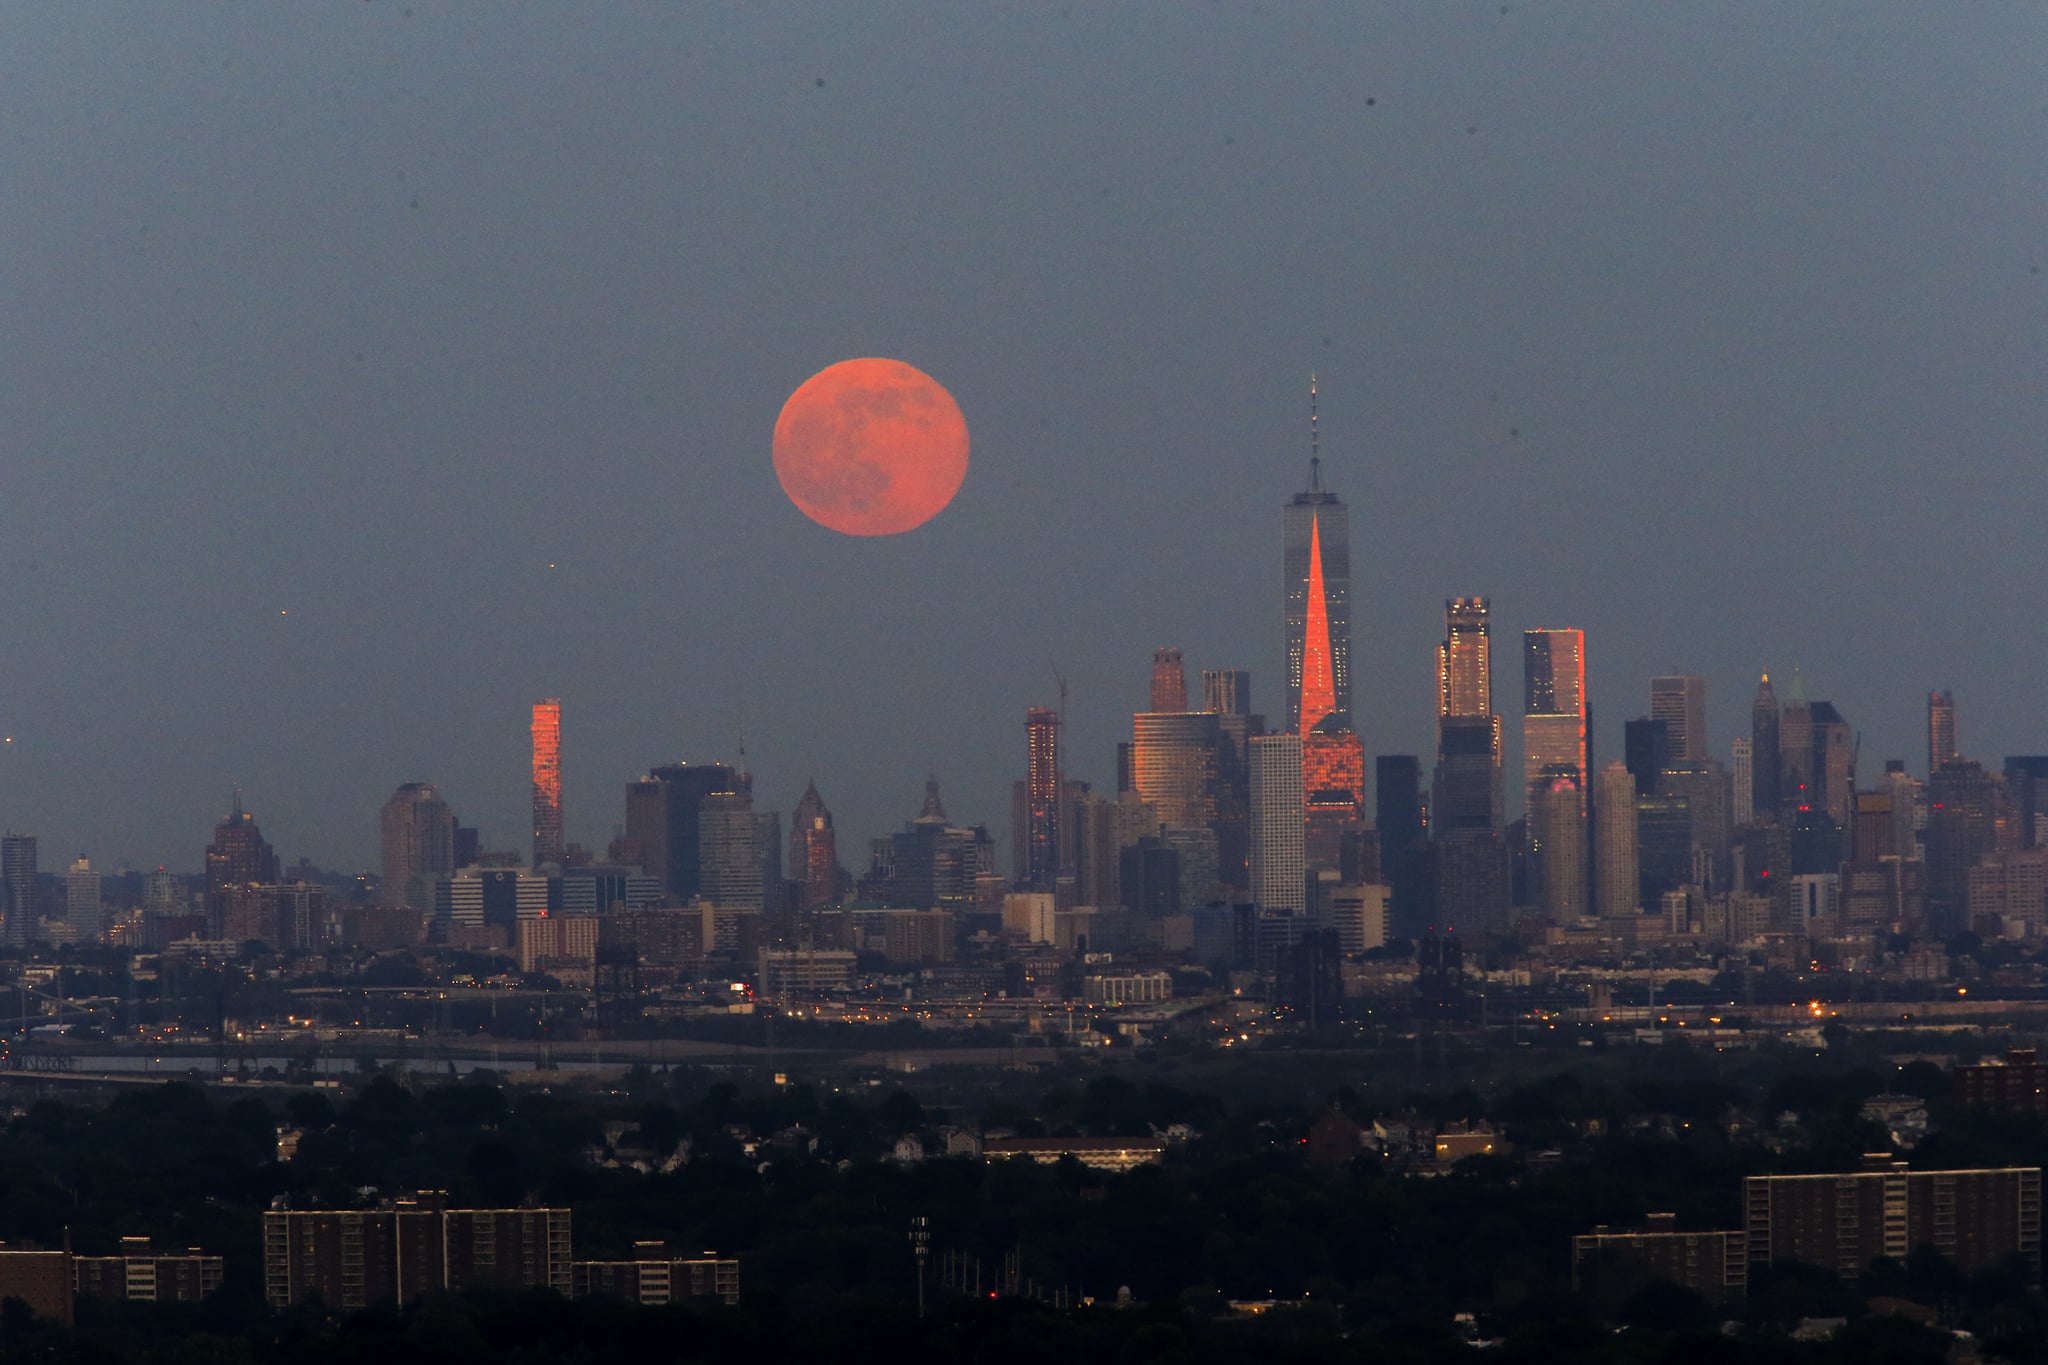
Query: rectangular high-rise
x=1316, y=573
x=1466, y=786
x=662, y=821
x=18, y=879
x=1941, y=729
x=1464, y=664
x=1554, y=707
x=1174, y=763
x=547, y=781
x=1041, y=829
x=1279, y=866
x=1680, y=701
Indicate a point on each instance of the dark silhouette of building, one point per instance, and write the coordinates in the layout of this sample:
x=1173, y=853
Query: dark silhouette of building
x=813, y=852
x=1613, y=1264
x=933, y=864
x=1941, y=729
x=1149, y=878
x=1465, y=795
x=2026, y=793
x=1977, y=1219
x=1646, y=750
x=1766, y=764
x=2016, y=1085
x=1962, y=826
x=1228, y=693
x=663, y=812
x=237, y=857
x=351, y=1259
x=1397, y=814
x=41, y=1280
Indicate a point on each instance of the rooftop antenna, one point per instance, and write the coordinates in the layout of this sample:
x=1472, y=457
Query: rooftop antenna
x=1315, y=452
x=746, y=778
x=1060, y=679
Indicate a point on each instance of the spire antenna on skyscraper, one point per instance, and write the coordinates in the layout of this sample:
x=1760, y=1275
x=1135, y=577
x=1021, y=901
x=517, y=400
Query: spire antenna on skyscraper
x=1315, y=450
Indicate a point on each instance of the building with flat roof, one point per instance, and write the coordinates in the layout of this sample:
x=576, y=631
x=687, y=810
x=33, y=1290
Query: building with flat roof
x=1975, y=1218
x=141, y=1273
x=1616, y=1262
x=41, y=1279
x=352, y=1258
x=655, y=1276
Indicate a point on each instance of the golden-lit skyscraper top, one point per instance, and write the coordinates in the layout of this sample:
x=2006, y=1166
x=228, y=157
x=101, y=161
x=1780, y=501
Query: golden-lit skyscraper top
x=1554, y=715
x=1464, y=664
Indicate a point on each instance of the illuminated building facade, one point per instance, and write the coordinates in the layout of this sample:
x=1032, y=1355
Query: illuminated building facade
x=1742, y=771
x=1616, y=885
x=1557, y=829
x=18, y=879
x=1279, y=868
x=1554, y=714
x=1333, y=789
x=82, y=910
x=1464, y=661
x=1173, y=765
x=417, y=836
x=1680, y=701
x=547, y=781
x=1316, y=546
x=730, y=872
x=1169, y=681
x=1042, y=792
x=1466, y=790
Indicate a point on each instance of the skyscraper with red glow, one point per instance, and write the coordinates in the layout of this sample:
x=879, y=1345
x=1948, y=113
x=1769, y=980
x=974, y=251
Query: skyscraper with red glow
x=1316, y=567
x=1466, y=788
x=1554, y=714
x=547, y=781
x=1169, y=681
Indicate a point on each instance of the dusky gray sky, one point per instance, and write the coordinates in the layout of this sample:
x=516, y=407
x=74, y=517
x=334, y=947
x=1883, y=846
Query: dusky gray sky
x=1715, y=329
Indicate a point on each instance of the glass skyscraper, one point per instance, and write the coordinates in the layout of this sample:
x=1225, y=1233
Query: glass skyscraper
x=1316, y=533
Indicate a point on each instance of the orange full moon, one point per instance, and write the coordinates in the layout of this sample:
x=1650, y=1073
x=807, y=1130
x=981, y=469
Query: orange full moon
x=871, y=447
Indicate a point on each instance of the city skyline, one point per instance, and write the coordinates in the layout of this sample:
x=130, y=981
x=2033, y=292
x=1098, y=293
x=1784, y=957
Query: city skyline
x=301, y=435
